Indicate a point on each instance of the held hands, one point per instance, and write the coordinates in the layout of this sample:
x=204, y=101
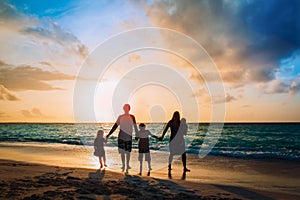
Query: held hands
x=155, y=137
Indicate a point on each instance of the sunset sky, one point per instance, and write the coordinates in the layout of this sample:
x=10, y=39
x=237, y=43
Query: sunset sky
x=254, y=45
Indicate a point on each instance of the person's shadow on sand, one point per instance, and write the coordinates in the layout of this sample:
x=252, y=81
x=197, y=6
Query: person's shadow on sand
x=242, y=192
x=159, y=188
x=61, y=185
x=169, y=174
x=98, y=175
x=183, y=177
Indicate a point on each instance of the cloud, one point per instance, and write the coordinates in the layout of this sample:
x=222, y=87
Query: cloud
x=33, y=113
x=29, y=37
x=25, y=77
x=230, y=98
x=247, y=106
x=45, y=63
x=221, y=99
x=133, y=57
x=52, y=34
x=246, y=39
x=5, y=94
x=8, y=11
x=216, y=99
x=279, y=86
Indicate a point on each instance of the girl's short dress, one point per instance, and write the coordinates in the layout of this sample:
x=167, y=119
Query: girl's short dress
x=99, y=147
x=99, y=152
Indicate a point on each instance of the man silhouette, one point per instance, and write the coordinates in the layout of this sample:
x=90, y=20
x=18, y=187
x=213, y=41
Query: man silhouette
x=126, y=122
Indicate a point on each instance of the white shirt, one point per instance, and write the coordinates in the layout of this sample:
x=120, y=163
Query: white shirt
x=144, y=134
x=126, y=122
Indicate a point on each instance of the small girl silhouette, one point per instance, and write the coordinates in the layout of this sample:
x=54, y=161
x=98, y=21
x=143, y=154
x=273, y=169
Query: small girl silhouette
x=99, y=148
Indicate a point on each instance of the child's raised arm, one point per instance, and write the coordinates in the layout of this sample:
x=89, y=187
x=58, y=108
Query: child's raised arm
x=153, y=135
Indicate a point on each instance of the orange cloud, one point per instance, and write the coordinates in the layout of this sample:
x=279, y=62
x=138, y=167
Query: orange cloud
x=133, y=57
x=5, y=94
x=33, y=113
x=25, y=77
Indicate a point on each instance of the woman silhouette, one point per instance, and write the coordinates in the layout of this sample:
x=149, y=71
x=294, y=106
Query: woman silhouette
x=177, y=145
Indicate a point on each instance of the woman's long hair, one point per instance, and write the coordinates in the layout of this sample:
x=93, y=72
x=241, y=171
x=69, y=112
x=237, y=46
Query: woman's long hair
x=176, y=118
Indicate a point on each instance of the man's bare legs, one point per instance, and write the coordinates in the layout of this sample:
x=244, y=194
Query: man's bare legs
x=127, y=161
x=125, y=155
x=123, y=160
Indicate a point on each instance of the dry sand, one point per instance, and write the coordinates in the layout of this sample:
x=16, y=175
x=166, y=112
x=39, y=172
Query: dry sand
x=210, y=178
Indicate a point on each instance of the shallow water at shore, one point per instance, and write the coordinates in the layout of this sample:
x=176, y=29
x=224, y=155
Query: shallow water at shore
x=252, y=140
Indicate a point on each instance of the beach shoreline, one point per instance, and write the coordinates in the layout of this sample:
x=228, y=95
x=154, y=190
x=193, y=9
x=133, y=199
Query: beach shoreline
x=39, y=170
x=210, y=178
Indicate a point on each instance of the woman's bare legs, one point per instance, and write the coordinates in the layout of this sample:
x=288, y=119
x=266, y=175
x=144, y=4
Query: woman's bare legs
x=170, y=161
x=183, y=158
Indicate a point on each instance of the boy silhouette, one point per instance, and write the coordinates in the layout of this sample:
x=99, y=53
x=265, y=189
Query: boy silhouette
x=143, y=136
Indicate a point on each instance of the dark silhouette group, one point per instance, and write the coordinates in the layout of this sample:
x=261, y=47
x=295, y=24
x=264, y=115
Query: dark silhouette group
x=127, y=123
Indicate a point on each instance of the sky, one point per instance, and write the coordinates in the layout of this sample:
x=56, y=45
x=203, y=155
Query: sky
x=216, y=60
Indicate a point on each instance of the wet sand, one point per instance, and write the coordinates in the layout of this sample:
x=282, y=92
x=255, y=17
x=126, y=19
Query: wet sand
x=40, y=171
x=210, y=178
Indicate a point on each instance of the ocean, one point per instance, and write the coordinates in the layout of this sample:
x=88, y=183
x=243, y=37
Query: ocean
x=241, y=140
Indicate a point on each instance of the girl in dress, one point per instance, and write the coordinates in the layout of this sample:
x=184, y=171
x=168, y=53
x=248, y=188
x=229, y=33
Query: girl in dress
x=99, y=148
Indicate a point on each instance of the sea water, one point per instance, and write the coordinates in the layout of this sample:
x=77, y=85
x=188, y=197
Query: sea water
x=246, y=140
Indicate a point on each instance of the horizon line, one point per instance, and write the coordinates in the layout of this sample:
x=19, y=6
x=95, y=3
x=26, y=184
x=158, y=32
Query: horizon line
x=193, y=122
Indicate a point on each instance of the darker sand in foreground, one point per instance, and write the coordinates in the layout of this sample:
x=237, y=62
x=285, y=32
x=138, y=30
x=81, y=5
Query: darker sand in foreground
x=21, y=180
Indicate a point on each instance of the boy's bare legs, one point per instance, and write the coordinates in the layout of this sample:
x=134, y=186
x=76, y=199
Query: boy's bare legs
x=141, y=167
x=149, y=167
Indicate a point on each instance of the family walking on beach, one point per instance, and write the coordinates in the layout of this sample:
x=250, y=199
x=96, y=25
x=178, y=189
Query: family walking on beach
x=127, y=123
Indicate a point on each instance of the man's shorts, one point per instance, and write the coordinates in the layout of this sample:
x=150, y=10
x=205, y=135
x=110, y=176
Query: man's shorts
x=124, y=146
